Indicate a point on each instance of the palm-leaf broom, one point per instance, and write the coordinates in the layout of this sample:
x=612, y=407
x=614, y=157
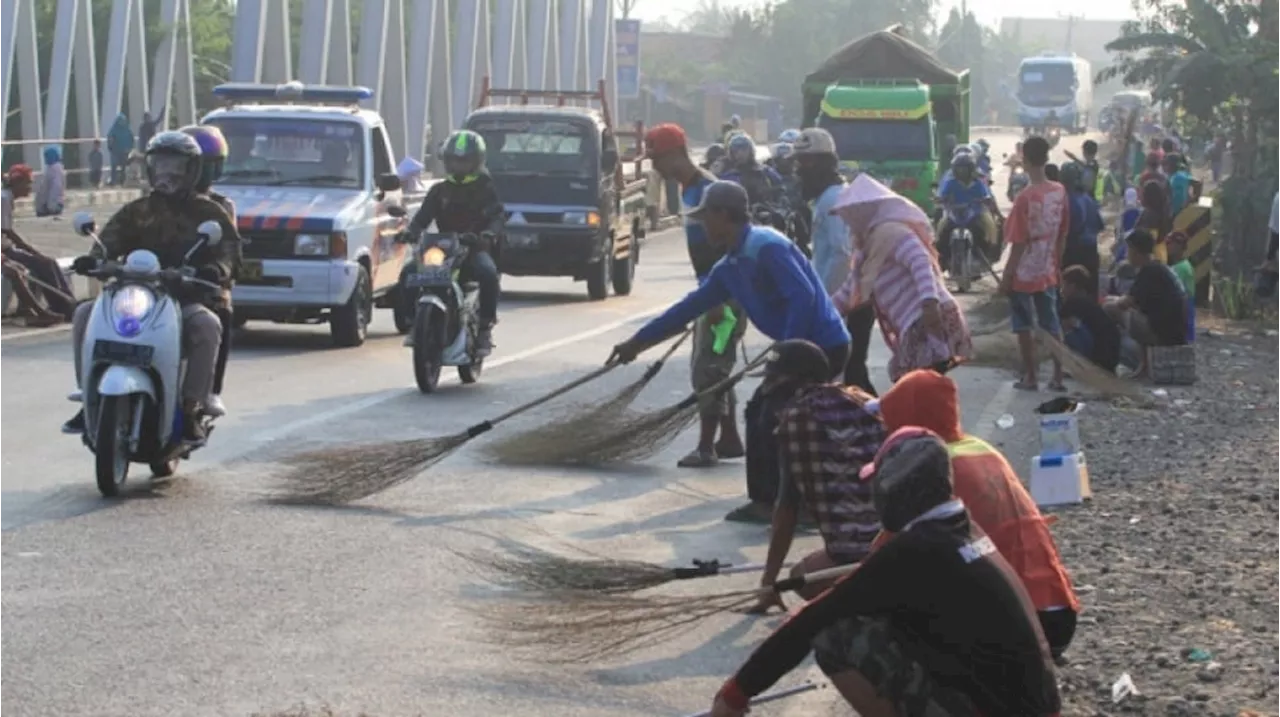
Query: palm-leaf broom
x=529, y=447
x=629, y=436
x=347, y=473
x=531, y=569
x=772, y=696
x=580, y=626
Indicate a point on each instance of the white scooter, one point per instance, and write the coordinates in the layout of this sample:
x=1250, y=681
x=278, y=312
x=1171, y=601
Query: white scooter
x=133, y=366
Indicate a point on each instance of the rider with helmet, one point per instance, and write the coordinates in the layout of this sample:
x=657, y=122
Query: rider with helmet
x=790, y=136
x=213, y=154
x=963, y=188
x=165, y=222
x=983, y=149
x=467, y=202
x=715, y=154
x=763, y=184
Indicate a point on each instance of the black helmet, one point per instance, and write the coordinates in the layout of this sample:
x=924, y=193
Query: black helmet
x=173, y=163
x=715, y=153
x=1071, y=176
x=463, y=154
x=797, y=360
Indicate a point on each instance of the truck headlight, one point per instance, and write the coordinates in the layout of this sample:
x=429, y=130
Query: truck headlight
x=591, y=219
x=311, y=245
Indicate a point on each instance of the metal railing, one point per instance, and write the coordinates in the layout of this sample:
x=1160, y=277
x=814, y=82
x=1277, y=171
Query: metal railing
x=74, y=162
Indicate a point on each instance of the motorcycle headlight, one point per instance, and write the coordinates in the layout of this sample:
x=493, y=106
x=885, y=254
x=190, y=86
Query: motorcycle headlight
x=591, y=219
x=311, y=245
x=433, y=256
x=130, y=305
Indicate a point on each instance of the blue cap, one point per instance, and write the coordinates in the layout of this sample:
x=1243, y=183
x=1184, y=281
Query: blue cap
x=724, y=196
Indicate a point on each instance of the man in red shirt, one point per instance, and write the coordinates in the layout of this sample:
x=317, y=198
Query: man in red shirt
x=1036, y=231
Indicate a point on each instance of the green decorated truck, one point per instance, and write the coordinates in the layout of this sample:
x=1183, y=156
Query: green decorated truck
x=891, y=107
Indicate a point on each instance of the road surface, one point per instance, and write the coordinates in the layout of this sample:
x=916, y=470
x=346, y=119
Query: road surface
x=204, y=599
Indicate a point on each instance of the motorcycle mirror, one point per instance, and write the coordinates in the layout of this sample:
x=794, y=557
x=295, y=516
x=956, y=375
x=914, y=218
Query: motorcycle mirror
x=211, y=232
x=83, y=223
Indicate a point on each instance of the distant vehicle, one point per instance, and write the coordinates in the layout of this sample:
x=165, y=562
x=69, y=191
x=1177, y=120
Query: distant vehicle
x=1121, y=104
x=1055, y=90
x=312, y=175
x=571, y=209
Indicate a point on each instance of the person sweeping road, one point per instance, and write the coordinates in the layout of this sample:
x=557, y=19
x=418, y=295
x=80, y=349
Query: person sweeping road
x=778, y=290
x=825, y=435
x=994, y=496
x=933, y=623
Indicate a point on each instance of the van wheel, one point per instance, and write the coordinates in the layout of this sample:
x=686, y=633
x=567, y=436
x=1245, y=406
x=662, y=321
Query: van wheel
x=599, y=274
x=349, y=323
x=624, y=272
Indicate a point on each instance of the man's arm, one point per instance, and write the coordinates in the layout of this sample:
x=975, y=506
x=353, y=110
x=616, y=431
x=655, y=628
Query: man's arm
x=832, y=247
x=495, y=215
x=710, y=293
x=1016, y=236
x=426, y=211
x=220, y=259
x=113, y=233
x=784, y=268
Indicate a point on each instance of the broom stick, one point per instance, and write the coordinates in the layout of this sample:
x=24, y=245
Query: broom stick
x=770, y=697
x=43, y=285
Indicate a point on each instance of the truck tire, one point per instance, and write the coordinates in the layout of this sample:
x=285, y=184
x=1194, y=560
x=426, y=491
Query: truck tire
x=598, y=275
x=349, y=323
x=624, y=270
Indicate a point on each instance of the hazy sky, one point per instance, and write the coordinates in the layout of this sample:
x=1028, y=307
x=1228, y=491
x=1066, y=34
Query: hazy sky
x=987, y=11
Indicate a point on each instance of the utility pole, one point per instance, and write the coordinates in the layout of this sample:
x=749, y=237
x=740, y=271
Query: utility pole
x=1071, y=26
x=964, y=35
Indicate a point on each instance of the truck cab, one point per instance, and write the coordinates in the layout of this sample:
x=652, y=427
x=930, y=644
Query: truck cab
x=886, y=129
x=312, y=177
x=558, y=170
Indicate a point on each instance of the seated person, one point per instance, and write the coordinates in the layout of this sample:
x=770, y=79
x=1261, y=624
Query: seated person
x=1087, y=329
x=1153, y=313
x=960, y=190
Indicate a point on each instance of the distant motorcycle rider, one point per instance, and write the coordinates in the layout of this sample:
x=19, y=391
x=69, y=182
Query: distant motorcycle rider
x=213, y=155
x=467, y=202
x=165, y=223
x=964, y=188
x=763, y=184
x=714, y=157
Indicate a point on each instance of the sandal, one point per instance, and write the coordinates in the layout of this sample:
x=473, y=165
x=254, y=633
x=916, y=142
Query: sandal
x=730, y=451
x=698, y=459
x=750, y=513
x=1057, y=387
x=1026, y=386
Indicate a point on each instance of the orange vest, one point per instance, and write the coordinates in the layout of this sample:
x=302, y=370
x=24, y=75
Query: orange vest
x=1003, y=509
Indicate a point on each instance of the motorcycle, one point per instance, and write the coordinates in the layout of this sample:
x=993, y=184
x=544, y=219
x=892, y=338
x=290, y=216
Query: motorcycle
x=963, y=267
x=786, y=221
x=1054, y=135
x=1018, y=181
x=133, y=365
x=446, y=321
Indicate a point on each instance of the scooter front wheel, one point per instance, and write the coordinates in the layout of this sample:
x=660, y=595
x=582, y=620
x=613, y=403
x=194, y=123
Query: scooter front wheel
x=960, y=258
x=428, y=344
x=111, y=444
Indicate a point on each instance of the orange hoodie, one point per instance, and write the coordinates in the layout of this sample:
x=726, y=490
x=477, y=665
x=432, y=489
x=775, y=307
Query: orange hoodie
x=987, y=484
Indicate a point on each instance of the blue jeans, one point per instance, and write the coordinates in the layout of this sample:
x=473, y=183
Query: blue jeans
x=1035, y=309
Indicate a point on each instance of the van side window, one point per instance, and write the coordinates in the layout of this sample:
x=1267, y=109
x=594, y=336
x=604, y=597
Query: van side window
x=381, y=158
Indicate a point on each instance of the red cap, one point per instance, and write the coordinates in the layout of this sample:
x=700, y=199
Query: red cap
x=665, y=138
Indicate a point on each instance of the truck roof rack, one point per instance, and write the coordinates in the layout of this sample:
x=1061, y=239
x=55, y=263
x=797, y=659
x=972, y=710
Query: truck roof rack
x=564, y=98
x=242, y=93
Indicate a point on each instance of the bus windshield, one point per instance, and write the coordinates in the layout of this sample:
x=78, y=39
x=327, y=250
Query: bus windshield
x=880, y=140
x=1047, y=84
x=278, y=151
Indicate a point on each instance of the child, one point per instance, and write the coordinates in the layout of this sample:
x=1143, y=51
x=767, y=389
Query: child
x=1181, y=266
x=1086, y=327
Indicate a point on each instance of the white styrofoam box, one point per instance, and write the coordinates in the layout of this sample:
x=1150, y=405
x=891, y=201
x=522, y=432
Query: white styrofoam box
x=1060, y=433
x=1059, y=480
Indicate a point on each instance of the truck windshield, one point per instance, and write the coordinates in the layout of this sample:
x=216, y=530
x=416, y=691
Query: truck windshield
x=520, y=145
x=1047, y=85
x=278, y=151
x=880, y=140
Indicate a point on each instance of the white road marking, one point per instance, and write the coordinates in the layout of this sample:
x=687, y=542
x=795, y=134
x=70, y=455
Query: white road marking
x=384, y=396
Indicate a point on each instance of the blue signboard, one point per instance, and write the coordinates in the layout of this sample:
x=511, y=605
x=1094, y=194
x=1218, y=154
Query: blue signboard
x=627, y=39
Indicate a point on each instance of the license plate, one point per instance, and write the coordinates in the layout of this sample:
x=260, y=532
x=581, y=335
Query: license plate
x=250, y=271
x=122, y=353
x=522, y=241
x=430, y=276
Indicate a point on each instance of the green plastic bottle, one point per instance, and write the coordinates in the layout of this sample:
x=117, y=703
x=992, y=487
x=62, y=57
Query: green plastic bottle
x=723, y=331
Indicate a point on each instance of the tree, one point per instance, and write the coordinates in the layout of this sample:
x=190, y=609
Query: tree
x=1216, y=60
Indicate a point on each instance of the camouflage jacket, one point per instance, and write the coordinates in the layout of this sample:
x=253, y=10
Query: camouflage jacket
x=168, y=229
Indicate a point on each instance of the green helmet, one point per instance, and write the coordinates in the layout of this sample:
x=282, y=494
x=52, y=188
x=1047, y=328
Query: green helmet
x=463, y=155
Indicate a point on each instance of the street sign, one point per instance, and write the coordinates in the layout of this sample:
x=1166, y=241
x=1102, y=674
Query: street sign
x=627, y=39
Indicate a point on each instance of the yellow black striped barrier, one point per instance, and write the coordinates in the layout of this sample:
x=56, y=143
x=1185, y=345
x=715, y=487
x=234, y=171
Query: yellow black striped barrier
x=1194, y=222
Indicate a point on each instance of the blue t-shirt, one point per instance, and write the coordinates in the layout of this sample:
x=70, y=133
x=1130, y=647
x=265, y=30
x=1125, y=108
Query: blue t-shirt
x=775, y=285
x=954, y=192
x=702, y=255
x=1179, y=187
x=1085, y=221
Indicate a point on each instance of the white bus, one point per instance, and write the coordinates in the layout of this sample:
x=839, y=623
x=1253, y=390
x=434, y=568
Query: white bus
x=1055, y=89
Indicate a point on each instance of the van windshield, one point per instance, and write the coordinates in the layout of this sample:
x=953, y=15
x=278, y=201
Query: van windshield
x=278, y=151
x=522, y=145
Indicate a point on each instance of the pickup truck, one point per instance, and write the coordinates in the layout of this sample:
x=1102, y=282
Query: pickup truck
x=312, y=176
x=571, y=211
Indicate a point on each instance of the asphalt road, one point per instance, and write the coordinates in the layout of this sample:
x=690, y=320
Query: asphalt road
x=204, y=599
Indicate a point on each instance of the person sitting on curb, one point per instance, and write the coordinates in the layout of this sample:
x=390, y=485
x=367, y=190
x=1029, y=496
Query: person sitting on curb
x=1154, y=311
x=1087, y=329
x=934, y=622
x=23, y=263
x=825, y=435
x=995, y=497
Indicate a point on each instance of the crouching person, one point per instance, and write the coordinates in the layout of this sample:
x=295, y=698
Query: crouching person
x=933, y=623
x=995, y=498
x=825, y=436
